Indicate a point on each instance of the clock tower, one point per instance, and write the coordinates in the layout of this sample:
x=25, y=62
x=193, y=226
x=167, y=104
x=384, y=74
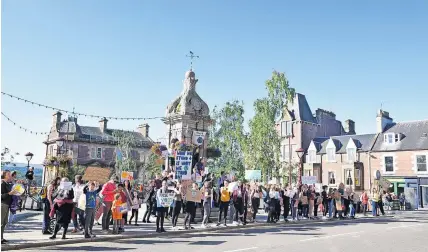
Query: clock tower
x=188, y=116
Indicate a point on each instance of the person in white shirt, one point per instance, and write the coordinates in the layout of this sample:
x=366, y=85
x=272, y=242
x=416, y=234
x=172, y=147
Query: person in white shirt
x=78, y=191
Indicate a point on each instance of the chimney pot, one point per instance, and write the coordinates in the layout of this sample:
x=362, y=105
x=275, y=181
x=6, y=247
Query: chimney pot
x=144, y=129
x=103, y=124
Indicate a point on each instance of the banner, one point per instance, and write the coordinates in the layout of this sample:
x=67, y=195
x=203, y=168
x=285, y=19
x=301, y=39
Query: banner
x=183, y=165
x=126, y=176
x=198, y=137
x=101, y=175
x=309, y=180
x=165, y=199
x=253, y=174
x=193, y=195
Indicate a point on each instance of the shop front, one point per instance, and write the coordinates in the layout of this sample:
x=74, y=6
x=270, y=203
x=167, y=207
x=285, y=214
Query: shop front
x=423, y=187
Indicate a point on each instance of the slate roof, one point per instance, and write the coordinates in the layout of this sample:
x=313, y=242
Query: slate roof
x=414, y=137
x=363, y=142
x=300, y=109
x=318, y=141
x=89, y=133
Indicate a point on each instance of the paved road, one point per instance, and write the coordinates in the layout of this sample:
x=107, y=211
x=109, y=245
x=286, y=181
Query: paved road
x=402, y=233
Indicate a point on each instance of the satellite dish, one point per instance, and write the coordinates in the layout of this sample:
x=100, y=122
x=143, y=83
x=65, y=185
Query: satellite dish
x=378, y=175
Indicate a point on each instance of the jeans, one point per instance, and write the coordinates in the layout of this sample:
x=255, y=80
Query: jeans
x=190, y=212
x=106, y=215
x=255, y=204
x=286, y=210
x=160, y=218
x=330, y=208
x=134, y=214
x=176, y=212
x=374, y=208
x=224, y=206
x=238, y=209
x=352, y=209
x=305, y=210
x=89, y=220
x=78, y=213
x=364, y=209
x=46, y=218
x=207, y=212
x=380, y=204
x=148, y=211
x=294, y=210
x=4, y=217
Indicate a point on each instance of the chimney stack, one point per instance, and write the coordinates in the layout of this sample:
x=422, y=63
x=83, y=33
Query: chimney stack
x=144, y=129
x=56, y=120
x=382, y=120
x=103, y=124
x=349, y=127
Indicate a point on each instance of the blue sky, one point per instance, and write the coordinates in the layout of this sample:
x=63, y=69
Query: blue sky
x=127, y=58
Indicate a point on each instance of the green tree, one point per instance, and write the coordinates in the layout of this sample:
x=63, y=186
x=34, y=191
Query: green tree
x=227, y=134
x=7, y=156
x=263, y=147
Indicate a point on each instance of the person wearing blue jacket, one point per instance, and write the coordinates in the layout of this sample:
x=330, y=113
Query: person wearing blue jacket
x=91, y=200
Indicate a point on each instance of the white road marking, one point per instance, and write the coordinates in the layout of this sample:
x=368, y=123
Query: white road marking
x=415, y=225
x=330, y=236
x=244, y=249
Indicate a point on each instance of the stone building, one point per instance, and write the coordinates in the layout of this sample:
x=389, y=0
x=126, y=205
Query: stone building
x=298, y=126
x=92, y=146
x=188, y=114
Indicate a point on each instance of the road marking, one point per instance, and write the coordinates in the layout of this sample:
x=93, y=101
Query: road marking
x=244, y=249
x=415, y=225
x=330, y=236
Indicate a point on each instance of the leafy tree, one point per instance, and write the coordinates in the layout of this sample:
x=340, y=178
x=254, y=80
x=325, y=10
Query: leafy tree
x=263, y=147
x=227, y=134
x=7, y=156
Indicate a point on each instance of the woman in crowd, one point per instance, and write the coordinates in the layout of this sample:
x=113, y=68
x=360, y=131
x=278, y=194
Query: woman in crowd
x=14, y=206
x=238, y=203
x=108, y=192
x=375, y=200
x=150, y=198
x=63, y=208
x=6, y=200
x=224, y=202
x=136, y=205
x=271, y=204
x=190, y=210
x=160, y=210
x=178, y=203
x=207, y=192
x=51, y=193
x=364, y=202
x=255, y=200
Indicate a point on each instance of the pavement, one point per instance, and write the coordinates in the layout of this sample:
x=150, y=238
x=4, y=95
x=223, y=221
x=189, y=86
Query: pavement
x=144, y=237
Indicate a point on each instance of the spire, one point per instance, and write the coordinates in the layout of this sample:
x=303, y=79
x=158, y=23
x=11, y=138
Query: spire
x=191, y=55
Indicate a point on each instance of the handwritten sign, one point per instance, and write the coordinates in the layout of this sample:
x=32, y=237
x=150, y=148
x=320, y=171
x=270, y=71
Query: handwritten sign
x=126, y=176
x=309, y=180
x=183, y=165
x=185, y=184
x=165, y=199
x=193, y=195
x=98, y=174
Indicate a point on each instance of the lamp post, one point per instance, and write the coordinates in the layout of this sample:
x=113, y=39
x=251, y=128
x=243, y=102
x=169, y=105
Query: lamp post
x=300, y=153
x=29, y=156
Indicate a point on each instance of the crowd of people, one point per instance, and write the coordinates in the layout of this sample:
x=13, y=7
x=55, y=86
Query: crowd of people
x=86, y=203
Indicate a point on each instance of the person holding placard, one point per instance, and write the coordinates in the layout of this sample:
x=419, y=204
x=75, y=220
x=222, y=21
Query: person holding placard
x=161, y=210
x=116, y=213
x=207, y=200
x=63, y=208
x=150, y=199
x=190, y=210
x=79, y=215
x=90, y=193
x=178, y=199
x=108, y=191
x=6, y=200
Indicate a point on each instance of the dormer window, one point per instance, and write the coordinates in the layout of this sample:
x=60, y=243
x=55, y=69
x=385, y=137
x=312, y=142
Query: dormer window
x=331, y=154
x=391, y=138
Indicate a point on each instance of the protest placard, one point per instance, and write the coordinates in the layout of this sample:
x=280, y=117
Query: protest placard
x=183, y=165
x=193, y=195
x=125, y=175
x=309, y=180
x=184, y=185
x=253, y=174
x=166, y=199
x=101, y=175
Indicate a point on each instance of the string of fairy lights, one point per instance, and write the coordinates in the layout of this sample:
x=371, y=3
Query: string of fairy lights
x=64, y=111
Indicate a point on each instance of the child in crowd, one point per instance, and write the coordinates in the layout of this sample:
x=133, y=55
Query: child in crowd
x=135, y=206
x=91, y=200
x=116, y=212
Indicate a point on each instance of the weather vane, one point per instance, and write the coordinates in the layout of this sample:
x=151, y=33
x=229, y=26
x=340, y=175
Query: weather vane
x=191, y=55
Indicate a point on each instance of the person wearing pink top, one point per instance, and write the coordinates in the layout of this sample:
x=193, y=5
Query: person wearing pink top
x=108, y=191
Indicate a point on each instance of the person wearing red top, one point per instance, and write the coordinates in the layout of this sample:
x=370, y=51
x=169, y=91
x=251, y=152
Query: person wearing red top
x=364, y=202
x=108, y=192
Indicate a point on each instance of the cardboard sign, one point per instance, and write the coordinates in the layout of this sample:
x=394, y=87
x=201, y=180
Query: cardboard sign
x=233, y=186
x=101, y=175
x=125, y=175
x=185, y=184
x=384, y=183
x=193, y=195
x=309, y=180
x=166, y=199
x=183, y=165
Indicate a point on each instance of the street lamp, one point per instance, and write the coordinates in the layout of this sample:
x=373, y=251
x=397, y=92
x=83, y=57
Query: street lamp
x=300, y=153
x=29, y=156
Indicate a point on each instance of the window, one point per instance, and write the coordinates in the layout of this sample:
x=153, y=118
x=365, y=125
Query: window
x=348, y=177
x=389, y=164
x=331, y=178
x=358, y=177
x=286, y=156
x=312, y=156
x=331, y=155
x=421, y=163
x=307, y=172
x=391, y=138
x=287, y=129
x=51, y=150
x=99, y=153
x=352, y=154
